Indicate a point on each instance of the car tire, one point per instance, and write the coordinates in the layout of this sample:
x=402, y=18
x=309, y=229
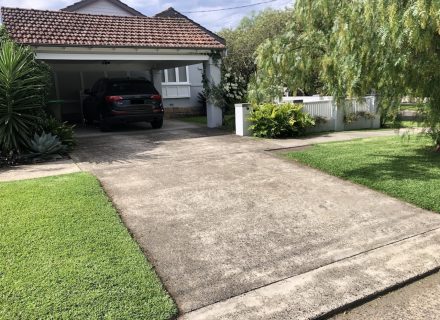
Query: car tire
x=157, y=124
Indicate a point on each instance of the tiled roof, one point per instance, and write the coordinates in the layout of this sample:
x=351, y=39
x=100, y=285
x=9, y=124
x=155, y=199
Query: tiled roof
x=61, y=28
x=173, y=13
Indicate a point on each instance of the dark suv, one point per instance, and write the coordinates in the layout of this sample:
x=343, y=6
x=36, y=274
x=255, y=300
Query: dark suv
x=123, y=100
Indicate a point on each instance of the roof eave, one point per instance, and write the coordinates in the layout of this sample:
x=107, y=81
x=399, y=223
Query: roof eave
x=48, y=45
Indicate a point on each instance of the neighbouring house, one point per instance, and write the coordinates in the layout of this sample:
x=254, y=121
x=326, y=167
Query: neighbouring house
x=92, y=39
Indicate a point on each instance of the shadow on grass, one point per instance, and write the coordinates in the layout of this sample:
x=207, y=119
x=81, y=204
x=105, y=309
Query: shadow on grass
x=416, y=166
x=406, y=170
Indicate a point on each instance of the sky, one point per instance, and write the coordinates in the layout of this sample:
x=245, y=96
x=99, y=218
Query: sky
x=212, y=20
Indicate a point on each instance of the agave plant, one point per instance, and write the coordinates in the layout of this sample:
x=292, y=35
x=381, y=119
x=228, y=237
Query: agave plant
x=46, y=145
x=21, y=96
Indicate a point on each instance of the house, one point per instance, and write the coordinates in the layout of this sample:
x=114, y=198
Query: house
x=92, y=39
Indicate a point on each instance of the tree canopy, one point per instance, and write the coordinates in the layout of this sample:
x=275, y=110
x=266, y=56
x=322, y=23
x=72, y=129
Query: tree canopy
x=243, y=40
x=352, y=48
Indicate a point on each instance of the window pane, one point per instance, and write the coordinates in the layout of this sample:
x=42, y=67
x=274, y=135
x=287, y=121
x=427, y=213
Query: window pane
x=163, y=75
x=171, y=75
x=182, y=74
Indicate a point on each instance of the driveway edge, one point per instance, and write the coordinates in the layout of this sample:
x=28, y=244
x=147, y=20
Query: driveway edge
x=333, y=288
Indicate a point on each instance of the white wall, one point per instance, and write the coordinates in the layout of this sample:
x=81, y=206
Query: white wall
x=104, y=7
x=196, y=86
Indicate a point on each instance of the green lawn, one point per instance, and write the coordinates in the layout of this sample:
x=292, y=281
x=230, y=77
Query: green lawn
x=64, y=253
x=405, y=169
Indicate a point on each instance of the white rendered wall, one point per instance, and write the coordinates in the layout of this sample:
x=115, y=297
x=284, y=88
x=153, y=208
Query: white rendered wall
x=104, y=7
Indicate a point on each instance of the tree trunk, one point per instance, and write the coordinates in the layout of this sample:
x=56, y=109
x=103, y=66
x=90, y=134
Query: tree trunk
x=437, y=148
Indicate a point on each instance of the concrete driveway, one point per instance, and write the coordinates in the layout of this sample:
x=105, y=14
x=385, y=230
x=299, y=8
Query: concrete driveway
x=236, y=233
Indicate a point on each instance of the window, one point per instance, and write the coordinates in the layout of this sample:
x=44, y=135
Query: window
x=183, y=76
x=175, y=83
x=175, y=75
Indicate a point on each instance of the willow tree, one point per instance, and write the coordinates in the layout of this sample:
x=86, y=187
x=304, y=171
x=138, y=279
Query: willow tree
x=295, y=59
x=352, y=48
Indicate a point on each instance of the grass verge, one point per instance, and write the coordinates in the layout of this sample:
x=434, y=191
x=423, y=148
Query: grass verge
x=65, y=253
x=402, y=168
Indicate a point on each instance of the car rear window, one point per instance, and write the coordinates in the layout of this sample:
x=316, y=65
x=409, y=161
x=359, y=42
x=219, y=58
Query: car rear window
x=131, y=87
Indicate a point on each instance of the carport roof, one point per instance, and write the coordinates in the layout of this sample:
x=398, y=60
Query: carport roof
x=61, y=28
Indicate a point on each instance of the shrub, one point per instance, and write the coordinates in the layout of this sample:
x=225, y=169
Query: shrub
x=271, y=120
x=22, y=96
x=355, y=116
x=62, y=130
x=320, y=120
x=46, y=146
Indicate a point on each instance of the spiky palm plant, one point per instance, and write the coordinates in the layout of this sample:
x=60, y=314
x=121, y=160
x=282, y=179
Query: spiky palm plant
x=21, y=96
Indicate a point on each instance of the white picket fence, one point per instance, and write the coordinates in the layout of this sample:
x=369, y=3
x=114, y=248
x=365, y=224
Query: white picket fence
x=323, y=109
x=326, y=107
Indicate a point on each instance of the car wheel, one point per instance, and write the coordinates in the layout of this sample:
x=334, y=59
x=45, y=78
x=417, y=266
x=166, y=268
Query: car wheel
x=157, y=124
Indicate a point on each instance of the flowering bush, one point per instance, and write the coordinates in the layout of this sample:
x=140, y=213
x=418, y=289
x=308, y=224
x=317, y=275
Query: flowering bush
x=233, y=85
x=231, y=90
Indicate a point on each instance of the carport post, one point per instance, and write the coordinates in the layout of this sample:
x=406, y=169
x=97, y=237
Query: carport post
x=156, y=76
x=214, y=113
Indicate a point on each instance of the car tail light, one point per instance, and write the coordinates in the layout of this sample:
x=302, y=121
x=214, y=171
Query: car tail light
x=113, y=99
x=156, y=97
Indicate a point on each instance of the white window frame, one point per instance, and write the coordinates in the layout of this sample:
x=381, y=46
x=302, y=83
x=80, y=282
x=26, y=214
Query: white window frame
x=183, y=89
x=177, y=83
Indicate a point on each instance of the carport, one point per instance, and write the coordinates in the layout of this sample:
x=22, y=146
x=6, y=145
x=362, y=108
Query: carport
x=81, y=48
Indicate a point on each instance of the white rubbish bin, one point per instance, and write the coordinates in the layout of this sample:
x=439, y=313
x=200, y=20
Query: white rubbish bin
x=242, y=123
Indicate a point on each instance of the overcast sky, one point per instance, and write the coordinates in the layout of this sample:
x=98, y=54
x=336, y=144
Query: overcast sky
x=211, y=20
